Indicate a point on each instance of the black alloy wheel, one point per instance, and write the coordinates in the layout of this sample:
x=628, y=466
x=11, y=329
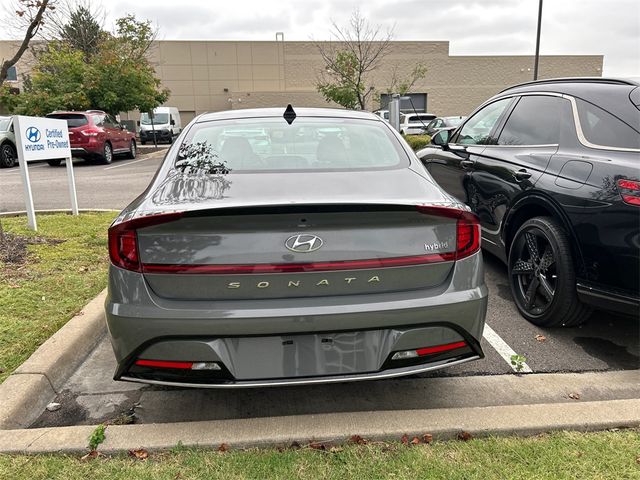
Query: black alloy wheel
x=542, y=275
x=8, y=156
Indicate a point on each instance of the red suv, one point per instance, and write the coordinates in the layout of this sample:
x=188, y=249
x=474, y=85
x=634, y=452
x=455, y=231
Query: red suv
x=96, y=134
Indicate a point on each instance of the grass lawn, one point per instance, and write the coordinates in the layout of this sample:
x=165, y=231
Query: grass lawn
x=39, y=296
x=605, y=455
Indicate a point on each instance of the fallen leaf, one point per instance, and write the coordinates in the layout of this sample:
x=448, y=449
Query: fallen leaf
x=91, y=455
x=464, y=436
x=638, y=459
x=574, y=396
x=139, y=454
x=541, y=338
x=335, y=449
x=427, y=438
x=223, y=447
x=14, y=286
x=357, y=439
x=415, y=441
x=317, y=446
x=53, y=406
x=405, y=439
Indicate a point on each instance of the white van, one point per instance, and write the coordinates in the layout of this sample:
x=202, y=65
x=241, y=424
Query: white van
x=166, y=123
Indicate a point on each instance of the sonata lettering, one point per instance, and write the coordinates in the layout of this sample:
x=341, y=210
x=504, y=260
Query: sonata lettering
x=298, y=283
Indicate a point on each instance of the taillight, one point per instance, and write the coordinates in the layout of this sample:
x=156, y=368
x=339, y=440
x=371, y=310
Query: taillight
x=123, y=239
x=90, y=132
x=629, y=190
x=467, y=228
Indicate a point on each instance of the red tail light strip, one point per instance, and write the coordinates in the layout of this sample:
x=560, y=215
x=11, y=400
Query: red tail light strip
x=440, y=348
x=232, y=269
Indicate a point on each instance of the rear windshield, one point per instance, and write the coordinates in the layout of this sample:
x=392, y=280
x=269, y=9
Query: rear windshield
x=420, y=118
x=454, y=121
x=73, y=119
x=270, y=144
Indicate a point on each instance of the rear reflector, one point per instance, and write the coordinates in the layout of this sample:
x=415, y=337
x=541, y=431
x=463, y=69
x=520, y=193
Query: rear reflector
x=629, y=190
x=164, y=364
x=179, y=365
x=421, y=352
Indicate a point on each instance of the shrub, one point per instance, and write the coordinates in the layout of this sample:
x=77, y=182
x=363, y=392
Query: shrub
x=416, y=142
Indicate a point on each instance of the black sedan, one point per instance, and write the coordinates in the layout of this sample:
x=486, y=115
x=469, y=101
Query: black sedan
x=552, y=170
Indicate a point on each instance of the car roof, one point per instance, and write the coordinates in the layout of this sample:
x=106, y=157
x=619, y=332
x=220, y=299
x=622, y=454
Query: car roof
x=559, y=82
x=71, y=112
x=279, y=112
x=611, y=94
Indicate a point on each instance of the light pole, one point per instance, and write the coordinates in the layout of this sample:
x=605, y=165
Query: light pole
x=535, y=65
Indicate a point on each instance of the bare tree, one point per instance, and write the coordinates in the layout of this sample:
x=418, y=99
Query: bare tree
x=32, y=14
x=353, y=53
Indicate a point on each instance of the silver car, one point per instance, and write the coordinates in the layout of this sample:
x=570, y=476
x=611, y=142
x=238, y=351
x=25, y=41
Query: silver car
x=8, y=155
x=327, y=255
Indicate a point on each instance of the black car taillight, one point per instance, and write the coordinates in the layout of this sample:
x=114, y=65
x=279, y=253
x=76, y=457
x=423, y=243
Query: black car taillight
x=629, y=190
x=123, y=239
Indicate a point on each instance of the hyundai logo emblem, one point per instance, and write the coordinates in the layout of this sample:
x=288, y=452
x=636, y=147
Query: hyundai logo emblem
x=303, y=243
x=33, y=134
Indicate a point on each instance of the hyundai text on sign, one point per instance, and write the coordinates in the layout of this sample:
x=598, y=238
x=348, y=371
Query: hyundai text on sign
x=42, y=138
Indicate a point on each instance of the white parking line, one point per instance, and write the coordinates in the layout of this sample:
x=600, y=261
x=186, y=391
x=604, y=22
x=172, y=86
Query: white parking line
x=17, y=172
x=150, y=157
x=504, y=350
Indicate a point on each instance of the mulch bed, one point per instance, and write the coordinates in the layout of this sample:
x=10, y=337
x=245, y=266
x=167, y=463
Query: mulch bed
x=14, y=253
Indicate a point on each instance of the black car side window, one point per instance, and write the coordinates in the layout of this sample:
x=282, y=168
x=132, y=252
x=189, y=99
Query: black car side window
x=536, y=120
x=477, y=130
x=603, y=129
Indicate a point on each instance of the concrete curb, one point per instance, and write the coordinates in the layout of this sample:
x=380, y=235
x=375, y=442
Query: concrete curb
x=443, y=424
x=26, y=392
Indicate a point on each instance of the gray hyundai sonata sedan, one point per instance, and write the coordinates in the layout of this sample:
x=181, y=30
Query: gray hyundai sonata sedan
x=280, y=247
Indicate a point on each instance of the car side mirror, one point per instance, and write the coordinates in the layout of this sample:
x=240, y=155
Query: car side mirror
x=173, y=122
x=138, y=122
x=441, y=138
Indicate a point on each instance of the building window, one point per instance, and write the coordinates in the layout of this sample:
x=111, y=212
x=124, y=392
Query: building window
x=12, y=74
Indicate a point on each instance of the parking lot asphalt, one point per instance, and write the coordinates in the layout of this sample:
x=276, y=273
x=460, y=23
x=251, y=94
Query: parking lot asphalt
x=98, y=186
x=605, y=342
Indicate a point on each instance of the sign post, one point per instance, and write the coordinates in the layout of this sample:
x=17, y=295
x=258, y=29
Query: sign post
x=42, y=139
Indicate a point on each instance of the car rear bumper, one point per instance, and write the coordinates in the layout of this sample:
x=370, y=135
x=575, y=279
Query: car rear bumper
x=284, y=341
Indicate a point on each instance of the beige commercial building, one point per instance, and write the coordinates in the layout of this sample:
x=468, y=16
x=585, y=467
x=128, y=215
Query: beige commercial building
x=221, y=75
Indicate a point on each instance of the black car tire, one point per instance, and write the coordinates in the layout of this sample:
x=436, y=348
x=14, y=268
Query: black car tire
x=542, y=275
x=55, y=162
x=142, y=142
x=107, y=154
x=8, y=156
x=132, y=150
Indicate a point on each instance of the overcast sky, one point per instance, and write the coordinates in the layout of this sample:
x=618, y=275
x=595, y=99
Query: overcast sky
x=473, y=27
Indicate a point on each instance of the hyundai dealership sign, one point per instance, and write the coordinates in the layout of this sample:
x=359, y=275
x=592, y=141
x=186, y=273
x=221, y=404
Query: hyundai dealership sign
x=40, y=138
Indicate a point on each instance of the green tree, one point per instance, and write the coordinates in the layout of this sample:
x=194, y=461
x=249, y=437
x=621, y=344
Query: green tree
x=117, y=77
x=82, y=31
x=123, y=79
x=350, y=58
x=56, y=83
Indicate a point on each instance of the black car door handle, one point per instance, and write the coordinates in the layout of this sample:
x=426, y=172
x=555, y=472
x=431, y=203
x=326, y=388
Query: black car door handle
x=522, y=175
x=466, y=163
